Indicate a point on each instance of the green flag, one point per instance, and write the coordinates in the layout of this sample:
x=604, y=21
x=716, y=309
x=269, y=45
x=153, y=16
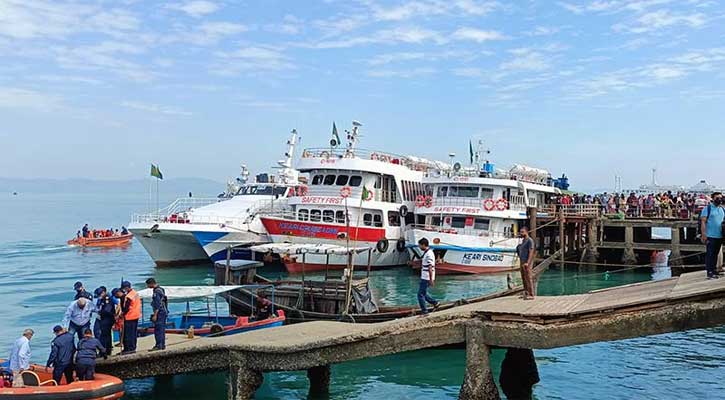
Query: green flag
x=470, y=150
x=156, y=172
x=334, y=133
x=366, y=194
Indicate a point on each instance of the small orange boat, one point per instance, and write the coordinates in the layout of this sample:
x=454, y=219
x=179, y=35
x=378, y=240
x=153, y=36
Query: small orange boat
x=39, y=385
x=107, y=241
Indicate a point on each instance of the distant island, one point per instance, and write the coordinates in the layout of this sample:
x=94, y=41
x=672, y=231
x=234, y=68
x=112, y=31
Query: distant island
x=175, y=187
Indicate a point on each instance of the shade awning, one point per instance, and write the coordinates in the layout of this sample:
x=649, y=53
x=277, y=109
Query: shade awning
x=316, y=248
x=189, y=292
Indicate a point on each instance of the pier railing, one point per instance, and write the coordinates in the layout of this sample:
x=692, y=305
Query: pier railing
x=570, y=210
x=181, y=212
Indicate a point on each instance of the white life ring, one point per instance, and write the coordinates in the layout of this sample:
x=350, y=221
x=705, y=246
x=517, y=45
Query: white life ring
x=489, y=204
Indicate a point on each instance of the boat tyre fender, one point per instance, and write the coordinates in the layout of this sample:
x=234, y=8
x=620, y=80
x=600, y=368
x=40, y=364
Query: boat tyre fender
x=382, y=245
x=403, y=211
x=216, y=330
x=400, y=245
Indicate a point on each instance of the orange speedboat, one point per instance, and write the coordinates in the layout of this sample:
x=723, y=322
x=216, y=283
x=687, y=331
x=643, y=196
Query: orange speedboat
x=39, y=384
x=107, y=241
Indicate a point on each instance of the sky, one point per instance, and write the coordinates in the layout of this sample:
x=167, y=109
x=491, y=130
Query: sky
x=100, y=89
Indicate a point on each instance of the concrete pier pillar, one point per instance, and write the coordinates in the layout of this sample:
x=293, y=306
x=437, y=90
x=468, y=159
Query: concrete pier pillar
x=478, y=383
x=591, y=254
x=519, y=374
x=319, y=381
x=675, y=259
x=243, y=382
x=629, y=257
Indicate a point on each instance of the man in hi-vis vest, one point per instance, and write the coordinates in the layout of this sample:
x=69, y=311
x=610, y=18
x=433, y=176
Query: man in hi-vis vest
x=131, y=309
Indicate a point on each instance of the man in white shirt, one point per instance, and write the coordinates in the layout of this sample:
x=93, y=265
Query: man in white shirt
x=20, y=357
x=427, y=276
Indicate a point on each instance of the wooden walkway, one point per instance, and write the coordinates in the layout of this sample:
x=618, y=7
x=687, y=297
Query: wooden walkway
x=686, y=302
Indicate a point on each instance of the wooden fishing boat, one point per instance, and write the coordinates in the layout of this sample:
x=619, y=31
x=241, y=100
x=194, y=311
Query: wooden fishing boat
x=109, y=241
x=39, y=385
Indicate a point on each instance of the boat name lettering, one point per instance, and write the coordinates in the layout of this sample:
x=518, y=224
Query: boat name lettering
x=311, y=229
x=460, y=179
x=322, y=200
x=469, y=257
x=463, y=210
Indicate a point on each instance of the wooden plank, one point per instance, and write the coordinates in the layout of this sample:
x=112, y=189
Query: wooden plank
x=630, y=285
x=696, y=284
x=626, y=296
x=544, y=306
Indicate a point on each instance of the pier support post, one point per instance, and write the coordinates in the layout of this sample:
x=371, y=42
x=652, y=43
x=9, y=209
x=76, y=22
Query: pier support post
x=591, y=254
x=478, y=383
x=319, y=381
x=675, y=259
x=519, y=374
x=629, y=257
x=243, y=382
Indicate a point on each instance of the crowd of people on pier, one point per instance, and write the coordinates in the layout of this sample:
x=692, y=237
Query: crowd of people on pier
x=89, y=233
x=683, y=205
x=86, y=332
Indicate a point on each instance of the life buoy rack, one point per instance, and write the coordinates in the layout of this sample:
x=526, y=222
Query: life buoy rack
x=420, y=200
x=502, y=204
x=489, y=204
x=403, y=211
x=382, y=245
x=400, y=245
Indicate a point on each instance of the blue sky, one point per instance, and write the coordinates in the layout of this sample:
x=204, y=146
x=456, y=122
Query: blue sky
x=101, y=88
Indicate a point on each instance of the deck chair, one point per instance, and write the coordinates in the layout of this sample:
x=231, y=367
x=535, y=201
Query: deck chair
x=30, y=378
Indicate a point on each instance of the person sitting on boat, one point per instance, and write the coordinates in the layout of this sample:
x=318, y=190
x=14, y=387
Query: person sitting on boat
x=78, y=317
x=81, y=291
x=264, y=307
x=106, y=309
x=116, y=233
x=88, y=350
x=85, y=230
x=160, y=307
x=20, y=357
x=124, y=231
x=78, y=235
x=62, y=349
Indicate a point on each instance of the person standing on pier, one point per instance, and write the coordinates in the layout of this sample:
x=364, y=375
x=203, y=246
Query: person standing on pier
x=81, y=291
x=427, y=276
x=526, y=251
x=711, y=220
x=78, y=316
x=131, y=308
x=160, y=306
x=106, y=319
x=62, y=349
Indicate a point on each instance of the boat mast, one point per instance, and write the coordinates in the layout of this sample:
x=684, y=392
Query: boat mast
x=286, y=173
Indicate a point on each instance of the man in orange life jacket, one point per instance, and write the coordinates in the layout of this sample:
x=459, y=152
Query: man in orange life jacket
x=131, y=309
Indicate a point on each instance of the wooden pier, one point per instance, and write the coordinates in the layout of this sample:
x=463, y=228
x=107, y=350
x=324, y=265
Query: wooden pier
x=677, y=304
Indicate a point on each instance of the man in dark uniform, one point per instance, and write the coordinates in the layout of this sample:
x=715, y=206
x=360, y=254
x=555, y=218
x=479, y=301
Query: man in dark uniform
x=81, y=291
x=106, y=318
x=88, y=349
x=62, y=350
x=160, y=306
x=85, y=230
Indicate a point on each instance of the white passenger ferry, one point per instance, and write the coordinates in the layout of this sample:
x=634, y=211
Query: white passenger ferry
x=356, y=198
x=193, y=230
x=471, y=216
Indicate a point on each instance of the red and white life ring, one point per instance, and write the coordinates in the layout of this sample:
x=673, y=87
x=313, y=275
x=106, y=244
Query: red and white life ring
x=420, y=200
x=301, y=190
x=428, y=201
x=345, y=192
x=489, y=204
x=502, y=205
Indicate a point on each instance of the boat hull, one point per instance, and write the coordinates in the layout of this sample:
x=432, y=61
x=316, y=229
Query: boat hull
x=111, y=241
x=230, y=325
x=169, y=244
x=102, y=387
x=216, y=243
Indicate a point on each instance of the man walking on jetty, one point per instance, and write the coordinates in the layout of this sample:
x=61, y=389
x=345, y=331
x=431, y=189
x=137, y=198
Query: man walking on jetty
x=526, y=251
x=427, y=276
x=711, y=226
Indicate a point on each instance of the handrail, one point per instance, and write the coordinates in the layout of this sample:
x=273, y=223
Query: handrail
x=461, y=231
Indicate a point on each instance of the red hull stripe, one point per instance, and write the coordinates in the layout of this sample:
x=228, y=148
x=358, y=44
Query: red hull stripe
x=320, y=231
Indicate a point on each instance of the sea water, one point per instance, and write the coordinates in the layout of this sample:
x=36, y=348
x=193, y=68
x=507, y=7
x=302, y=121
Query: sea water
x=37, y=272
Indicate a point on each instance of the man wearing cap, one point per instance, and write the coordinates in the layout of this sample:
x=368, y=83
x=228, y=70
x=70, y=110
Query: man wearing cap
x=131, y=309
x=81, y=291
x=20, y=357
x=62, y=349
x=106, y=310
x=78, y=316
x=160, y=306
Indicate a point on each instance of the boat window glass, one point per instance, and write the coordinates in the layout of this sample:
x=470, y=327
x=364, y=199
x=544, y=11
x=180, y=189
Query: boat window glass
x=458, y=222
x=420, y=219
x=317, y=180
x=442, y=191
x=329, y=180
x=303, y=214
x=481, y=224
x=467, y=191
x=341, y=180
x=378, y=182
x=280, y=191
x=410, y=219
x=453, y=191
x=486, y=193
x=393, y=218
x=377, y=220
x=328, y=216
x=355, y=180
x=340, y=217
x=436, y=221
x=315, y=215
x=367, y=219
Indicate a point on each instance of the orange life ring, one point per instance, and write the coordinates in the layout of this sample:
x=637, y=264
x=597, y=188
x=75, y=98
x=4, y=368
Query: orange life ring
x=502, y=205
x=420, y=200
x=489, y=204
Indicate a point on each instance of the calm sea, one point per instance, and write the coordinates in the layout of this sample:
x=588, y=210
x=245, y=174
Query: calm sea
x=37, y=272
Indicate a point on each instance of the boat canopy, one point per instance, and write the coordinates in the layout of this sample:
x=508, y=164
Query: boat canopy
x=189, y=292
x=319, y=248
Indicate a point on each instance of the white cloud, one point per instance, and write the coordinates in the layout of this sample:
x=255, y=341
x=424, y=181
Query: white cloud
x=207, y=33
x=382, y=59
x=543, y=31
x=527, y=59
x=109, y=56
x=661, y=19
x=430, y=8
x=411, y=35
x=28, y=99
x=477, y=35
x=404, y=73
x=251, y=59
x=155, y=108
x=196, y=9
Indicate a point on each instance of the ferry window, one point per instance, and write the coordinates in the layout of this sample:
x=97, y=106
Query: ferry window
x=317, y=180
x=486, y=193
x=378, y=182
x=410, y=219
x=341, y=180
x=458, y=222
x=355, y=180
x=368, y=219
x=453, y=191
x=378, y=220
x=280, y=191
x=420, y=219
x=340, y=217
x=442, y=191
x=315, y=215
x=328, y=216
x=393, y=218
x=481, y=224
x=436, y=221
x=303, y=214
x=467, y=191
x=329, y=180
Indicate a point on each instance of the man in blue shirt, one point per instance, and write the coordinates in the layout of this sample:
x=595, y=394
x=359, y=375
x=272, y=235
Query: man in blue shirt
x=78, y=316
x=62, y=350
x=711, y=220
